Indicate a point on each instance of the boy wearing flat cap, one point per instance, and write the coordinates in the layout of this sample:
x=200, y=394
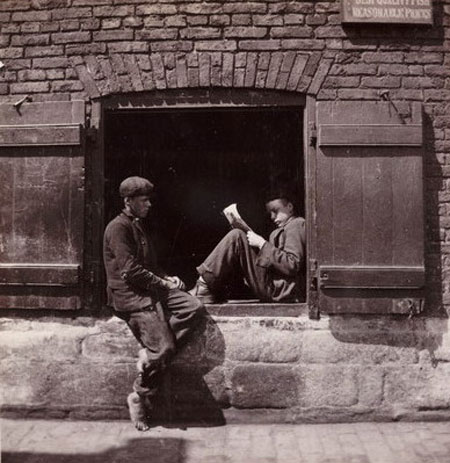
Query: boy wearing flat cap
x=153, y=304
x=273, y=269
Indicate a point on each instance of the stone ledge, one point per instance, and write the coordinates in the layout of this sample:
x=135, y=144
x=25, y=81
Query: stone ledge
x=256, y=309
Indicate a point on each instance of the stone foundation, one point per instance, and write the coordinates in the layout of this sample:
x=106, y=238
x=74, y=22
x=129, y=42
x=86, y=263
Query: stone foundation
x=256, y=369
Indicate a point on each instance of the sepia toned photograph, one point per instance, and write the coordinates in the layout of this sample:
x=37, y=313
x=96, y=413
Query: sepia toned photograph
x=225, y=231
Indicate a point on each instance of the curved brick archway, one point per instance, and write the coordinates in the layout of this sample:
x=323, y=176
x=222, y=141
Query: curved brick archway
x=123, y=73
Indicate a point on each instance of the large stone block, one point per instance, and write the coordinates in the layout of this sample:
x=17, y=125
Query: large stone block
x=264, y=386
x=370, y=386
x=65, y=384
x=110, y=347
x=421, y=387
x=328, y=385
x=41, y=345
x=260, y=344
x=323, y=347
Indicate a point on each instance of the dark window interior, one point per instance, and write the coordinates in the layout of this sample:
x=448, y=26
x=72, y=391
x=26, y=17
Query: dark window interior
x=201, y=161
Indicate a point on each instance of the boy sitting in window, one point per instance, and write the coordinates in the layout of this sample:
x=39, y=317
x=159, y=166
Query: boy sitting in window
x=273, y=270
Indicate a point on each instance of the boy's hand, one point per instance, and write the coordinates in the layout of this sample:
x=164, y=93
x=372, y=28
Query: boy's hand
x=255, y=240
x=174, y=282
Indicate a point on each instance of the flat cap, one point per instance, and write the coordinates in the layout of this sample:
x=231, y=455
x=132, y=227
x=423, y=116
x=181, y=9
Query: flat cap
x=135, y=186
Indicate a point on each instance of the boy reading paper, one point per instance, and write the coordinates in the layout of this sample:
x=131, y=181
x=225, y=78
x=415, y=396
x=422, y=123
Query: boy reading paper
x=273, y=269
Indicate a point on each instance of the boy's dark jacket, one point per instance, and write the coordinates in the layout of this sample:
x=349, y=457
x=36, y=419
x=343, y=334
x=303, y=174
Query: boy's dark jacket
x=133, y=275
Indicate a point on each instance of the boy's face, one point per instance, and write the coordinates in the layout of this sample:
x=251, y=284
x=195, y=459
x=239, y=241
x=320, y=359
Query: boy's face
x=138, y=205
x=280, y=211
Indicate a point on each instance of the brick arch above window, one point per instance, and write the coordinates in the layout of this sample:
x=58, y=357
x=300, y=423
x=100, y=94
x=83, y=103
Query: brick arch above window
x=104, y=75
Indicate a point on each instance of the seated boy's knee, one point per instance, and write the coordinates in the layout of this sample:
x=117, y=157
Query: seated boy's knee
x=236, y=234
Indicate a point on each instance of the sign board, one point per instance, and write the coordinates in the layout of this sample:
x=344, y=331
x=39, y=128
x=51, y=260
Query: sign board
x=387, y=11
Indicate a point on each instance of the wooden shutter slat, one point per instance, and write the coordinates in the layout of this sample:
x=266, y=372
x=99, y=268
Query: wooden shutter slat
x=42, y=183
x=370, y=135
x=369, y=203
x=39, y=274
x=371, y=277
x=40, y=135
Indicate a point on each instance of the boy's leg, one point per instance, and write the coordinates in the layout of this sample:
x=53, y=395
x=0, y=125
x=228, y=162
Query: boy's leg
x=184, y=312
x=154, y=334
x=234, y=254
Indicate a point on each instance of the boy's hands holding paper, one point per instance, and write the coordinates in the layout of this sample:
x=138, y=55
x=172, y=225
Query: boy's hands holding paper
x=255, y=240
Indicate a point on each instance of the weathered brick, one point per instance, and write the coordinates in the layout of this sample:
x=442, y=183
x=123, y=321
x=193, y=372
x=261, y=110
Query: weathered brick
x=11, y=52
x=55, y=74
x=290, y=7
x=17, y=64
x=243, y=32
x=157, y=34
x=100, y=36
x=30, y=87
x=219, y=20
x=263, y=386
x=172, y=45
x=66, y=13
x=241, y=20
x=201, y=8
x=34, y=74
x=10, y=28
x=31, y=16
x=421, y=82
x=50, y=27
x=294, y=19
x=197, y=20
x=358, y=94
x=4, y=89
x=154, y=21
x=353, y=69
x=71, y=37
x=128, y=47
x=111, y=23
x=267, y=20
x=316, y=19
x=50, y=63
x=70, y=25
x=143, y=10
x=200, y=33
x=33, y=39
x=216, y=45
x=341, y=82
x=30, y=28
x=291, y=31
x=132, y=21
x=329, y=32
x=383, y=57
x=91, y=24
x=259, y=45
x=85, y=49
x=5, y=18
x=111, y=11
x=249, y=7
x=302, y=44
x=14, y=5
x=424, y=58
x=380, y=82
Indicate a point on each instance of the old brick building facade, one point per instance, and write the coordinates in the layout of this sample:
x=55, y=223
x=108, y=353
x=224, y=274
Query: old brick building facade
x=366, y=105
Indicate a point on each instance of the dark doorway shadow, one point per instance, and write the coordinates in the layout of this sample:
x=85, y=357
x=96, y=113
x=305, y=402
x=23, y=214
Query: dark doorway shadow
x=156, y=450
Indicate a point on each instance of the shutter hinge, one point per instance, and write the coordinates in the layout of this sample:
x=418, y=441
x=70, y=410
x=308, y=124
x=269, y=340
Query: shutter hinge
x=312, y=134
x=313, y=295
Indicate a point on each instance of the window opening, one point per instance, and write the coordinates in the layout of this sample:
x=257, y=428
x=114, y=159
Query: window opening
x=201, y=161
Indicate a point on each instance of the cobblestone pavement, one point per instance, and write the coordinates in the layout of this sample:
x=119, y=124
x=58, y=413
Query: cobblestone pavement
x=43, y=441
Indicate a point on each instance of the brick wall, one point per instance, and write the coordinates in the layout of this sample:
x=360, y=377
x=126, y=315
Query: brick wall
x=67, y=49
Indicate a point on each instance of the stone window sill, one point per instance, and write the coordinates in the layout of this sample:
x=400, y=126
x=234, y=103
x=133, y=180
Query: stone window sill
x=256, y=309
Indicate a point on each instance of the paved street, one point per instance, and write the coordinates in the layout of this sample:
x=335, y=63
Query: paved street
x=51, y=441
x=39, y=441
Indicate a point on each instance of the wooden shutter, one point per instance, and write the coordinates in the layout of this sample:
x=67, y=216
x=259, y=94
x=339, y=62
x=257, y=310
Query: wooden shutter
x=369, y=205
x=42, y=203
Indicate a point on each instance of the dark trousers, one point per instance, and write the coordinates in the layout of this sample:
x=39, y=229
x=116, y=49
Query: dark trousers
x=161, y=330
x=233, y=255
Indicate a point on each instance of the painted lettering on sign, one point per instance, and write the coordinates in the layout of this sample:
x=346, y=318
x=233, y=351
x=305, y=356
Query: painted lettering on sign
x=387, y=11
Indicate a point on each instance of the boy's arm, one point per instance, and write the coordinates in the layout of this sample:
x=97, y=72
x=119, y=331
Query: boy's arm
x=288, y=259
x=122, y=244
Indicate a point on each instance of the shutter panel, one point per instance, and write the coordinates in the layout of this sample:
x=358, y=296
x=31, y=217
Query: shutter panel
x=369, y=201
x=42, y=204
